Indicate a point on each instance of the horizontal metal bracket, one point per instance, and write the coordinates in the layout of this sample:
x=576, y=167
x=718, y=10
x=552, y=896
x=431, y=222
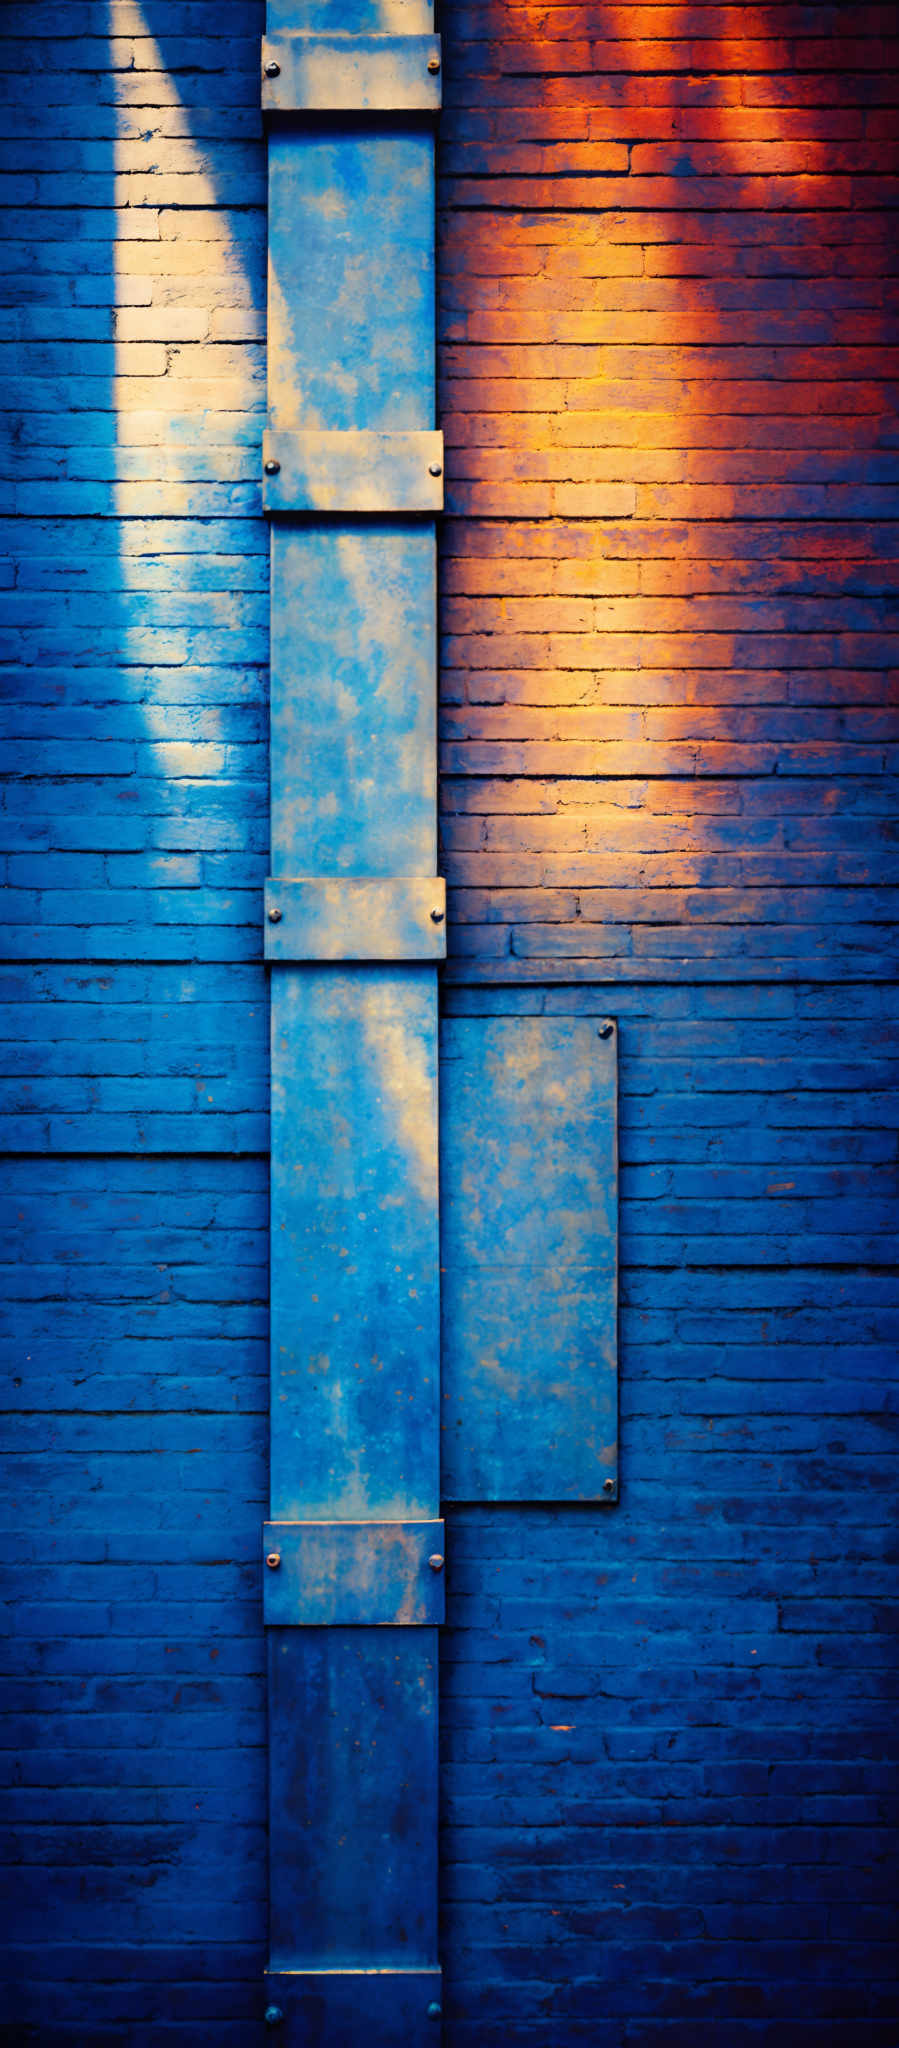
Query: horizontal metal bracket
x=343, y=2007
x=351, y=1574
x=352, y=471
x=355, y=918
x=337, y=74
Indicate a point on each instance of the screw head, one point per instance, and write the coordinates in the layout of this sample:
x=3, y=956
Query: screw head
x=436, y=1562
x=273, y=1560
x=275, y=915
x=273, y=2015
x=433, y=66
x=272, y=466
x=435, y=2011
x=604, y=1030
x=608, y=1486
x=436, y=916
x=435, y=468
x=272, y=70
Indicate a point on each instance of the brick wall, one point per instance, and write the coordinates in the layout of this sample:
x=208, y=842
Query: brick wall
x=667, y=291
x=134, y=1015
x=667, y=287
x=667, y=577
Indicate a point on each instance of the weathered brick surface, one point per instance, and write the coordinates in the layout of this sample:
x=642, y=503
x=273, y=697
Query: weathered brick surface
x=668, y=686
x=668, y=303
x=133, y=1010
x=668, y=1727
x=668, y=572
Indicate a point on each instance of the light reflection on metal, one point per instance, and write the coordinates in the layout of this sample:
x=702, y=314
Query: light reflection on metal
x=349, y=918
x=346, y=472
x=332, y=74
x=355, y=1257
x=529, y=1255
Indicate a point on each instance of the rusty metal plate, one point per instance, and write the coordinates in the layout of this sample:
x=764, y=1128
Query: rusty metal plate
x=354, y=638
x=351, y=301
x=529, y=1198
x=341, y=2008
x=352, y=472
x=353, y=1574
x=357, y=17
x=353, y=1801
x=355, y=918
x=334, y=74
x=354, y=1283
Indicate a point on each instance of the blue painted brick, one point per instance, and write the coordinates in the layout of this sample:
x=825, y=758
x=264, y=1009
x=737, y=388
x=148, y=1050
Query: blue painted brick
x=668, y=1728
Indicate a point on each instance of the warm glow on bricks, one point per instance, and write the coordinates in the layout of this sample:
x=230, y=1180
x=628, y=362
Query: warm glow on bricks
x=665, y=293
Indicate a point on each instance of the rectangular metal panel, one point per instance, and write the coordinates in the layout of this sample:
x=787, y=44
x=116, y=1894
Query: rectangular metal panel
x=354, y=647
x=353, y=1798
x=355, y=1258
x=344, y=472
x=355, y=919
x=353, y=1574
x=351, y=74
x=351, y=279
x=355, y=1313
x=529, y=1173
x=356, y=2008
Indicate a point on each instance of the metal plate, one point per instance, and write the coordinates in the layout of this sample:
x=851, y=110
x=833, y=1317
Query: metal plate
x=357, y=17
x=355, y=919
x=355, y=1260
x=374, y=1574
x=355, y=1268
x=353, y=1798
x=352, y=472
x=529, y=1177
x=346, y=2008
x=351, y=279
x=354, y=767
x=351, y=74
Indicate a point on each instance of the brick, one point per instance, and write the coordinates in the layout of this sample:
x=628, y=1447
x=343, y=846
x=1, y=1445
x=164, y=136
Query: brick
x=669, y=589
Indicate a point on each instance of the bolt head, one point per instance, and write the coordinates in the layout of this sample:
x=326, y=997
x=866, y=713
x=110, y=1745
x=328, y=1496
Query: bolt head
x=273, y=1560
x=272, y=467
x=273, y=2015
x=435, y=468
x=604, y=1030
x=272, y=70
x=435, y=2011
x=608, y=1486
x=436, y=1562
x=275, y=915
x=436, y=916
x=433, y=65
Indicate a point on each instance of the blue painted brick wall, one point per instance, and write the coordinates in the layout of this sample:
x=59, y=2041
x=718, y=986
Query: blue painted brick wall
x=134, y=1019
x=667, y=314
x=667, y=1727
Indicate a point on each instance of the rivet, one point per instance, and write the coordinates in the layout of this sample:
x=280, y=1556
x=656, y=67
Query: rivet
x=608, y=1486
x=435, y=468
x=435, y=2011
x=272, y=466
x=605, y=1030
x=433, y=65
x=275, y=915
x=436, y=1562
x=273, y=2015
x=273, y=1560
x=437, y=916
x=273, y=70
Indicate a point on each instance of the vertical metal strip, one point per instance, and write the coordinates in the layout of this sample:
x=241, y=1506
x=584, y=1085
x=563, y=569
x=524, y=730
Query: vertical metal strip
x=355, y=1260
